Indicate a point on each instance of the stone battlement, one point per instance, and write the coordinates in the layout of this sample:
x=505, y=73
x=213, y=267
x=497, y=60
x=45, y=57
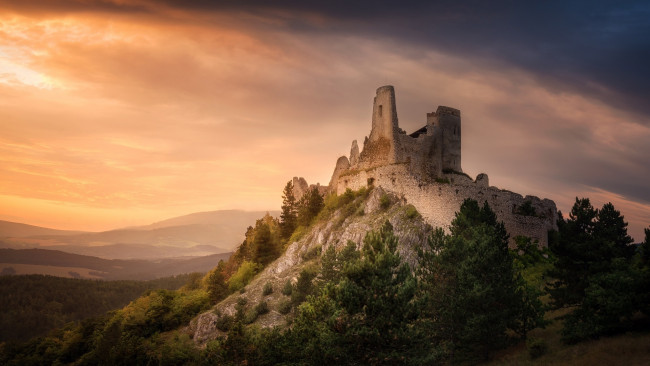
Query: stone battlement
x=445, y=110
x=424, y=169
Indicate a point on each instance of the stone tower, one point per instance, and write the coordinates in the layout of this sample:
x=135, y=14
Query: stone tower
x=381, y=142
x=446, y=123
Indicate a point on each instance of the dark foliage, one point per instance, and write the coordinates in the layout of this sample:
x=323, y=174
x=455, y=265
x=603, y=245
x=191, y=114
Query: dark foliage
x=472, y=293
x=35, y=304
x=309, y=206
x=289, y=214
x=594, y=272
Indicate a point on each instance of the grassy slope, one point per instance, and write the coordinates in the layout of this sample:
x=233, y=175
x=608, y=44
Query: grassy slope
x=632, y=348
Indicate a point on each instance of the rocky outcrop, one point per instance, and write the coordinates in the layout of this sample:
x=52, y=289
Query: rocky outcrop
x=336, y=230
x=354, y=153
x=300, y=187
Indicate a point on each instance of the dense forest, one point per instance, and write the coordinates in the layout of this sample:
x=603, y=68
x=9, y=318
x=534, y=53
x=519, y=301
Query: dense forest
x=33, y=305
x=468, y=297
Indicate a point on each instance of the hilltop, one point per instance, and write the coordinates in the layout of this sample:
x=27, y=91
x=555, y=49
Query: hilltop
x=334, y=228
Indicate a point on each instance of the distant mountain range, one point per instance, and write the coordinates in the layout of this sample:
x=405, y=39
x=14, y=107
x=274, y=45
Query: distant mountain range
x=193, y=235
x=61, y=264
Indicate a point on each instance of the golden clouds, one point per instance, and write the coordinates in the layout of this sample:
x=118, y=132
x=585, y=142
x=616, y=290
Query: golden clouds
x=155, y=114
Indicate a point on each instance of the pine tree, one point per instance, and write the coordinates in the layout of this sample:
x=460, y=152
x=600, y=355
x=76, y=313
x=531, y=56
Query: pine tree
x=472, y=292
x=216, y=283
x=366, y=317
x=574, y=251
x=289, y=215
x=594, y=272
x=309, y=206
x=645, y=248
x=266, y=249
x=611, y=230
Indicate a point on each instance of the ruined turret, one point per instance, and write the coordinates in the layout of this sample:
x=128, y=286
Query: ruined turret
x=424, y=168
x=379, y=148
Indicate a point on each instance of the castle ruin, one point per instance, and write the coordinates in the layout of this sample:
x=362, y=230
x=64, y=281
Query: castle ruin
x=424, y=169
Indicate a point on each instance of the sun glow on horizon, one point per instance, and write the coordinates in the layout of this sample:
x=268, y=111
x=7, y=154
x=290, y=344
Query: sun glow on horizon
x=127, y=118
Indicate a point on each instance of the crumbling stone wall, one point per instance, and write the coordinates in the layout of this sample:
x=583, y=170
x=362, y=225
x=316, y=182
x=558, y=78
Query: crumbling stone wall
x=424, y=169
x=438, y=202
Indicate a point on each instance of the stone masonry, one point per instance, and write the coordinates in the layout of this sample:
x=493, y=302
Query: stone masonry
x=424, y=169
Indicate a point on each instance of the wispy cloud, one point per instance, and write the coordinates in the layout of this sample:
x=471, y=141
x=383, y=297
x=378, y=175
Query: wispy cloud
x=115, y=106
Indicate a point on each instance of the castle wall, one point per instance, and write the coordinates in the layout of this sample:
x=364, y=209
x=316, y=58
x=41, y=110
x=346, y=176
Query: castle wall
x=422, y=167
x=438, y=202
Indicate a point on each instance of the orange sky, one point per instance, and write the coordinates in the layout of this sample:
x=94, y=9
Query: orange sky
x=111, y=119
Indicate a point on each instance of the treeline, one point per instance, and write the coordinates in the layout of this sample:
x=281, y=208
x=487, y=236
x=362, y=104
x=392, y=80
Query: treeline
x=264, y=242
x=33, y=305
x=365, y=307
x=468, y=297
x=598, y=275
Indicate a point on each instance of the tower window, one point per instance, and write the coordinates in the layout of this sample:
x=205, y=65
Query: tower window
x=380, y=110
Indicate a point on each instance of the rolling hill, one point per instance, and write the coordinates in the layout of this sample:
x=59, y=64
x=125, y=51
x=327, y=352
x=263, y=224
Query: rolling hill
x=62, y=264
x=197, y=234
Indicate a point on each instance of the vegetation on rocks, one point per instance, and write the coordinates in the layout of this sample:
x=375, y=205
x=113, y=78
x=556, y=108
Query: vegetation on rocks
x=458, y=297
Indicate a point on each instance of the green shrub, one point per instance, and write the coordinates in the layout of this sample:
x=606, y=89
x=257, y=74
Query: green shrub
x=304, y=285
x=411, y=212
x=346, y=197
x=268, y=289
x=284, y=307
x=443, y=180
x=287, y=289
x=536, y=347
x=243, y=276
x=384, y=201
x=250, y=316
x=312, y=253
x=240, y=307
x=262, y=308
x=298, y=234
x=225, y=322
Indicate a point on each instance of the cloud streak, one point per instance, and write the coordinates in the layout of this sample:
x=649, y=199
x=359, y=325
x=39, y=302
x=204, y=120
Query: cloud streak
x=190, y=106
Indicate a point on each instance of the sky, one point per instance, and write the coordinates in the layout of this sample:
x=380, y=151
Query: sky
x=124, y=112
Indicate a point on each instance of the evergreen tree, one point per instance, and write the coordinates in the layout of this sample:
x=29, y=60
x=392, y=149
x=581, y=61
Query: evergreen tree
x=216, y=283
x=309, y=206
x=611, y=230
x=645, y=248
x=472, y=293
x=366, y=317
x=289, y=215
x=266, y=249
x=594, y=272
x=573, y=250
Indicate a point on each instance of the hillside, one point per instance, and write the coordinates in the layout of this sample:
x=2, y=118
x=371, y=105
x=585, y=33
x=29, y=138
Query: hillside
x=17, y=230
x=336, y=294
x=333, y=229
x=62, y=264
x=197, y=234
x=38, y=304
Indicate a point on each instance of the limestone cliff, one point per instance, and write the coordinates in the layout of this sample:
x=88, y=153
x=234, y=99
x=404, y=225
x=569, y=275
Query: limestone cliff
x=350, y=222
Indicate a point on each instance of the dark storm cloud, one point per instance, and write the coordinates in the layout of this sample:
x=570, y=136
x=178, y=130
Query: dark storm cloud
x=595, y=47
x=601, y=48
x=45, y=6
